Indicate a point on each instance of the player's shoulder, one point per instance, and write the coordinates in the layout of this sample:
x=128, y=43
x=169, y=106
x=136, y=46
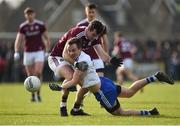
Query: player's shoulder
x=83, y=22
x=78, y=31
x=84, y=57
x=79, y=28
x=39, y=22
x=23, y=24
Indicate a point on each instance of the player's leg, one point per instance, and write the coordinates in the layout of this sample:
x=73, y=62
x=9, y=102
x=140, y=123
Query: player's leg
x=132, y=76
x=28, y=62
x=61, y=68
x=30, y=72
x=123, y=112
x=66, y=72
x=137, y=85
x=38, y=71
x=38, y=66
x=76, y=110
x=107, y=96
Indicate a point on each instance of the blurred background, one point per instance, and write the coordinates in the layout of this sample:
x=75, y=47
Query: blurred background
x=153, y=26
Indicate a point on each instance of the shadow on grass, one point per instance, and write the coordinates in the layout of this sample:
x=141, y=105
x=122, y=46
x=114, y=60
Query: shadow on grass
x=153, y=116
x=37, y=114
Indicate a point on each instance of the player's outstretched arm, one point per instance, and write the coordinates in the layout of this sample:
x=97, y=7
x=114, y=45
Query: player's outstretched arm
x=105, y=43
x=74, y=81
x=18, y=41
x=101, y=53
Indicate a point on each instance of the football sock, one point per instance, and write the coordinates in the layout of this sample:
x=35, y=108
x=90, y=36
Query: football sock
x=64, y=98
x=63, y=102
x=33, y=95
x=151, y=79
x=38, y=93
x=145, y=112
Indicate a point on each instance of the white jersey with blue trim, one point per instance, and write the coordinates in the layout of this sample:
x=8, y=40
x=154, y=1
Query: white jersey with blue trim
x=90, y=76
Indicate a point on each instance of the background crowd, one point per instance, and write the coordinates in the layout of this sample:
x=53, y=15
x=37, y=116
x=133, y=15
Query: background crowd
x=164, y=52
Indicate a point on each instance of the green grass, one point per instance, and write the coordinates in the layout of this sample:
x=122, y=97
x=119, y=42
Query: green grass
x=16, y=108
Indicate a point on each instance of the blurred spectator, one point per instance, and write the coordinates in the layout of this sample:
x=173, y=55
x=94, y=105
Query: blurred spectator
x=139, y=55
x=2, y=67
x=166, y=54
x=151, y=52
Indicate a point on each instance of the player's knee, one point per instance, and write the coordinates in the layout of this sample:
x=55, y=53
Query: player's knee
x=118, y=112
x=38, y=73
x=129, y=93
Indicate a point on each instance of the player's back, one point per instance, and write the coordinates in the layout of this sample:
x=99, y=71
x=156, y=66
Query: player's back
x=78, y=32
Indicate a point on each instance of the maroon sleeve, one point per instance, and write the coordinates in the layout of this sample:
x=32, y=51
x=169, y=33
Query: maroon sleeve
x=21, y=30
x=43, y=28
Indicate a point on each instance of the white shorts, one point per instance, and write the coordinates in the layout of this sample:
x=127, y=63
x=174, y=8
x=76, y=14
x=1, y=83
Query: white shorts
x=128, y=63
x=55, y=62
x=33, y=57
x=98, y=64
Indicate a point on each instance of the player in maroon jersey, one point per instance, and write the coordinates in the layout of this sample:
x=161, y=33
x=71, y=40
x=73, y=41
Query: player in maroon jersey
x=57, y=59
x=31, y=32
x=125, y=50
x=91, y=12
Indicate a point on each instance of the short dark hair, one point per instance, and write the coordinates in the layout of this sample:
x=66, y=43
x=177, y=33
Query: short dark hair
x=76, y=41
x=28, y=10
x=91, y=6
x=97, y=25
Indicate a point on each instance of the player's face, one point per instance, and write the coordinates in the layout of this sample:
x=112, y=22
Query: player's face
x=30, y=16
x=91, y=35
x=73, y=51
x=90, y=13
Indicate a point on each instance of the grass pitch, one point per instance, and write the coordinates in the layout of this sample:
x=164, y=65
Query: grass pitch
x=16, y=108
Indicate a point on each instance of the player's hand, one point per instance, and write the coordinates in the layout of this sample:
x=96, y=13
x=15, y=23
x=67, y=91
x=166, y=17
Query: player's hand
x=116, y=61
x=16, y=56
x=83, y=66
x=55, y=87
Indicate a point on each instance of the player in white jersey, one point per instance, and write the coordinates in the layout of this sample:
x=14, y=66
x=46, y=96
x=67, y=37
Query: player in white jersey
x=103, y=88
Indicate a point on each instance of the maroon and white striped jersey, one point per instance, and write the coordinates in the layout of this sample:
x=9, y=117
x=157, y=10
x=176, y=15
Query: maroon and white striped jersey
x=33, y=35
